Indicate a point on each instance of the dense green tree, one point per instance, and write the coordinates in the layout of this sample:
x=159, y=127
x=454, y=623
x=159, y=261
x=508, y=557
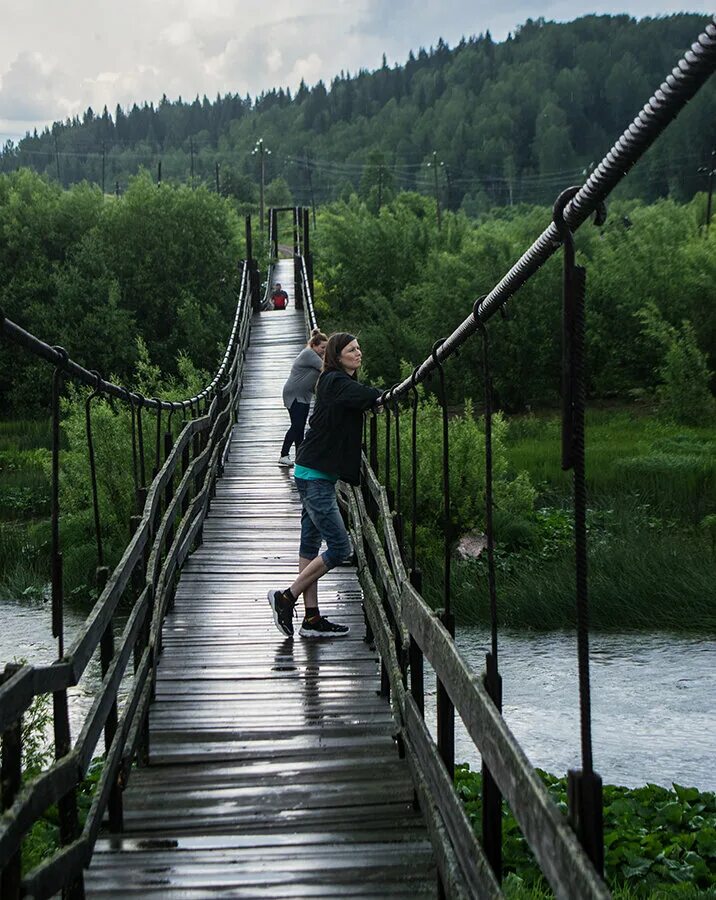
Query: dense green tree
x=91, y=273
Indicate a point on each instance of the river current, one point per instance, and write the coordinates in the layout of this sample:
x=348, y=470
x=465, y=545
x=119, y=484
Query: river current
x=653, y=696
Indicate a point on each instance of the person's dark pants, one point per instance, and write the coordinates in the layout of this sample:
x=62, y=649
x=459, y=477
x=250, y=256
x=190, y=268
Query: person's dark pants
x=294, y=435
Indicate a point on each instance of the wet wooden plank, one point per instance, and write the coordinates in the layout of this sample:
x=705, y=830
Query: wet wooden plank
x=273, y=769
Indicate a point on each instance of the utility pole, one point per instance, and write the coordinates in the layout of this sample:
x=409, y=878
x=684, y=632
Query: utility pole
x=159, y=174
x=116, y=188
x=104, y=159
x=449, y=188
x=262, y=153
x=57, y=158
x=217, y=179
x=709, y=170
x=434, y=165
x=191, y=153
x=310, y=188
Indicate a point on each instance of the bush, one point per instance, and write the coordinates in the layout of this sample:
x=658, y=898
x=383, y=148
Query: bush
x=684, y=391
x=656, y=840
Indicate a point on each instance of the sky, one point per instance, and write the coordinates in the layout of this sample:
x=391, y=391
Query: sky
x=56, y=59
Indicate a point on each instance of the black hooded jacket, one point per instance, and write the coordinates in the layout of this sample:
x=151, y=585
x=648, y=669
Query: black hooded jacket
x=333, y=441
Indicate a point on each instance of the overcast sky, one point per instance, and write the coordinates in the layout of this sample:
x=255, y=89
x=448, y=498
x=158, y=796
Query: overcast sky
x=56, y=59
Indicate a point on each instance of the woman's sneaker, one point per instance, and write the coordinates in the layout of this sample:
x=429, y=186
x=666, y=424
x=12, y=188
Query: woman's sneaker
x=320, y=627
x=282, y=609
x=285, y=461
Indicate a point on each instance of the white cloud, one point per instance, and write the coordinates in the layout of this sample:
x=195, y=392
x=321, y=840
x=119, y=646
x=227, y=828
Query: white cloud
x=308, y=69
x=177, y=34
x=58, y=59
x=31, y=89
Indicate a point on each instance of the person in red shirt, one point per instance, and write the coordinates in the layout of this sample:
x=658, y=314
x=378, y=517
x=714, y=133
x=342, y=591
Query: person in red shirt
x=279, y=297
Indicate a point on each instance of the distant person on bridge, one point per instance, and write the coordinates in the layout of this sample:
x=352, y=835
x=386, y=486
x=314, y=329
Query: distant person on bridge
x=298, y=391
x=331, y=450
x=279, y=297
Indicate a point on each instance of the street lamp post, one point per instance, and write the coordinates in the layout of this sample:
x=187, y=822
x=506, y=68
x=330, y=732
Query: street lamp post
x=261, y=151
x=434, y=166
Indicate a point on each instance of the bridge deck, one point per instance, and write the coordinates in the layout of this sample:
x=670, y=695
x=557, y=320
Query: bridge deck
x=273, y=772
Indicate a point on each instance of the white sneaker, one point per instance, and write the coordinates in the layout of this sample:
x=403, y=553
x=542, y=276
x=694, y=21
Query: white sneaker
x=285, y=461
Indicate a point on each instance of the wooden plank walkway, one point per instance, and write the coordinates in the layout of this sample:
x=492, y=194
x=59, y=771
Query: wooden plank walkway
x=273, y=771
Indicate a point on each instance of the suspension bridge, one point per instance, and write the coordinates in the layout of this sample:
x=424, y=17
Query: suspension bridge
x=237, y=763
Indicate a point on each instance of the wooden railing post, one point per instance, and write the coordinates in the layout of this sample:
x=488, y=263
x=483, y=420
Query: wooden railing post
x=10, y=782
x=169, y=490
x=114, y=804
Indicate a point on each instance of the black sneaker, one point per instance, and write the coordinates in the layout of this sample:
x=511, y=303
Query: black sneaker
x=282, y=609
x=320, y=627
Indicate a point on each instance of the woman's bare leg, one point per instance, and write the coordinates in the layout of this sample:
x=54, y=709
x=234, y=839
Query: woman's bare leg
x=310, y=593
x=308, y=576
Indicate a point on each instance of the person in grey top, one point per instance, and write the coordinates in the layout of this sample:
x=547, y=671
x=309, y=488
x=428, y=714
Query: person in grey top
x=298, y=390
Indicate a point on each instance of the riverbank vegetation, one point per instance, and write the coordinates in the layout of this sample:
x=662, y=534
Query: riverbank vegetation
x=659, y=843
x=651, y=429
x=651, y=339
x=25, y=467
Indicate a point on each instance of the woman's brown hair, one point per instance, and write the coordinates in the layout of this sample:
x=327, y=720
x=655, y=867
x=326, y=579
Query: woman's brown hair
x=336, y=345
x=317, y=337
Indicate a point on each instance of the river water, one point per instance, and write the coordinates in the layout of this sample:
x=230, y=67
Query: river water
x=653, y=696
x=653, y=703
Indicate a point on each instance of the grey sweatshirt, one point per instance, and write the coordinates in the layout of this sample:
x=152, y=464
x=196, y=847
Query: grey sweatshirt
x=301, y=383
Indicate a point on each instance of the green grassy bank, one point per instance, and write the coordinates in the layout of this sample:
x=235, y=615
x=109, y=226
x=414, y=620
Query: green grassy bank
x=651, y=522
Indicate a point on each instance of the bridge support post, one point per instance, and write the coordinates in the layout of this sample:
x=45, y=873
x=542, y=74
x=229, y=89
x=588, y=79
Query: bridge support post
x=446, y=710
x=114, y=802
x=372, y=511
x=585, y=786
x=297, y=282
x=11, y=781
x=491, y=796
x=584, y=798
x=254, y=279
x=274, y=233
x=307, y=255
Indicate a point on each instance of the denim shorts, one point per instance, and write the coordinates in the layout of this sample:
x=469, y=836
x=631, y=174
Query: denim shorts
x=321, y=520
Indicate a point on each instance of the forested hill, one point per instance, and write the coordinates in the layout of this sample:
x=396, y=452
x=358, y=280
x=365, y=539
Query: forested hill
x=511, y=121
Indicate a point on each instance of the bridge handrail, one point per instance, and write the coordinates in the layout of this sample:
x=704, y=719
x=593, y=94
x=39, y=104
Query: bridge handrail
x=169, y=525
x=690, y=73
x=555, y=845
x=309, y=310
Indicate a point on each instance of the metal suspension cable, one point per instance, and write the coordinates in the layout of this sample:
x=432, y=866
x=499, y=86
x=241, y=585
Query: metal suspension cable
x=59, y=358
x=691, y=72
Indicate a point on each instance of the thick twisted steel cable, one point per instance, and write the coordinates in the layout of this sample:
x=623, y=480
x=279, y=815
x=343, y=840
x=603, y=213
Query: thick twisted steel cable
x=690, y=73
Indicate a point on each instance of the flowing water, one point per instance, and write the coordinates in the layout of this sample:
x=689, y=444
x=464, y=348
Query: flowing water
x=26, y=633
x=653, y=703
x=653, y=696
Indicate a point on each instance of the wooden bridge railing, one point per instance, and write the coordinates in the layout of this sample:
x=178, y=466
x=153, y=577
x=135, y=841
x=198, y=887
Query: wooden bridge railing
x=401, y=622
x=169, y=525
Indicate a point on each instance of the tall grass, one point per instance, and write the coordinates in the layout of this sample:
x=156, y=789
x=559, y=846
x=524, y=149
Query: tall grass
x=629, y=454
x=25, y=434
x=637, y=579
x=652, y=560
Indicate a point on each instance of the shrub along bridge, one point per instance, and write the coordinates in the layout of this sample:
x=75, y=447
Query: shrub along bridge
x=237, y=763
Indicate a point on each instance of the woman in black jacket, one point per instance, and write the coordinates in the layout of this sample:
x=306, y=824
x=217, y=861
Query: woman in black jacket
x=330, y=450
